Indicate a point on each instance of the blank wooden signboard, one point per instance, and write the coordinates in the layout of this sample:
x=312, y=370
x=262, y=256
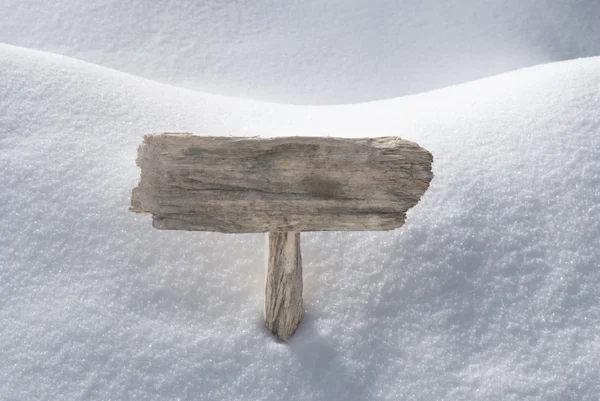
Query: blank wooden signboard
x=280, y=186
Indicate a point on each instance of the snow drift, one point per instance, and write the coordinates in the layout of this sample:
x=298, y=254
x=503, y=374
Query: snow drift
x=309, y=51
x=490, y=290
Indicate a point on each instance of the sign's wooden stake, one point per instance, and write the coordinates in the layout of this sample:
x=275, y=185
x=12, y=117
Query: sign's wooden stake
x=283, y=284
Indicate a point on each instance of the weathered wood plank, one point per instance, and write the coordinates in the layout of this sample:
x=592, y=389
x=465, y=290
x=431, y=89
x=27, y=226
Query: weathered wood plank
x=283, y=284
x=231, y=184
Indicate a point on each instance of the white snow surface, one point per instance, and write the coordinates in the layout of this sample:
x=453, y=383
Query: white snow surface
x=490, y=291
x=308, y=51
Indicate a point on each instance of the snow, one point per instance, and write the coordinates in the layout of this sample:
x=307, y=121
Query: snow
x=489, y=291
x=309, y=51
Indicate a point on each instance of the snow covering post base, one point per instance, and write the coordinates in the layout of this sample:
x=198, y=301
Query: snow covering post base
x=283, y=284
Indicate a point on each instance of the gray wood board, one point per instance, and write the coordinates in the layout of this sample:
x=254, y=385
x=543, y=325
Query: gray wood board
x=241, y=184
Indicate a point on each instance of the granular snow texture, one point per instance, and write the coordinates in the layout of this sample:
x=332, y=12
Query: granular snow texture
x=490, y=291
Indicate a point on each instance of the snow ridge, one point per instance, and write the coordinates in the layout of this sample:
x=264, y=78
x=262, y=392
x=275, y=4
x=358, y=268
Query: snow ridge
x=490, y=290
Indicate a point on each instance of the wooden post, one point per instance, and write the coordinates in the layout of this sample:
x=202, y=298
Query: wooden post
x=283, y=284
x=280, y=186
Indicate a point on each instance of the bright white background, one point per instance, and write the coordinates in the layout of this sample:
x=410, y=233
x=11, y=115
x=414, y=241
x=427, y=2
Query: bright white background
x=489, y=292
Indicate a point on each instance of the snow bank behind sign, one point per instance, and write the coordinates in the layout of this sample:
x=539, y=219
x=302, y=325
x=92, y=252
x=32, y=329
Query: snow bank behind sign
x=308, y=51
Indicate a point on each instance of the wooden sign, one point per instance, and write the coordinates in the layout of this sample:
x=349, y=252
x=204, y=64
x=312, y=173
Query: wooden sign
x=280, y=186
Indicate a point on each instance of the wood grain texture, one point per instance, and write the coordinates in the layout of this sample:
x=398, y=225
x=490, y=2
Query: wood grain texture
x=283, y=284
x=239, y=185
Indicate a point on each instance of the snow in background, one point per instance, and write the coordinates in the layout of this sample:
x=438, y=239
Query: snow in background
x=489, y=292
x=309, y=51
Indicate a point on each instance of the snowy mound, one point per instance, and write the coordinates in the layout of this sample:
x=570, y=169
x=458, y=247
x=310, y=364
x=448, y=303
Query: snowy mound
x=490, y=290
x=308, y=51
